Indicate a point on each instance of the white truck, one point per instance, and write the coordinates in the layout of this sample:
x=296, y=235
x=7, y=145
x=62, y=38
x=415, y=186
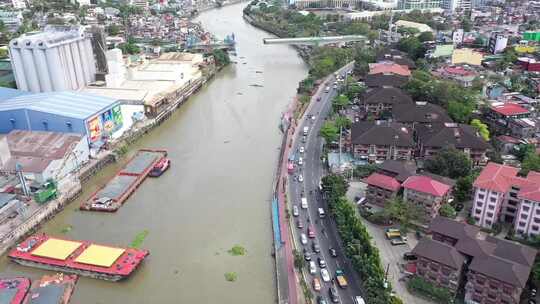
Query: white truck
x=306, y=130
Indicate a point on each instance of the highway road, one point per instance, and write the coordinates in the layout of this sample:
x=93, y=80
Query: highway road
x=312, y=171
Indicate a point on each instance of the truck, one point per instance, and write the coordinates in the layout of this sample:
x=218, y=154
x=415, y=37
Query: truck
x=46, y=192
x=306, y=130
x=340, y=278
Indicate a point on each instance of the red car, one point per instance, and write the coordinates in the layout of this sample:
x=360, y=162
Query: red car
x=311, y=232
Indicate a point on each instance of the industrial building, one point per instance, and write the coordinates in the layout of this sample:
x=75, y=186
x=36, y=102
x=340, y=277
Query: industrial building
x=96, y=117
x=58, y=59
x=43, y=155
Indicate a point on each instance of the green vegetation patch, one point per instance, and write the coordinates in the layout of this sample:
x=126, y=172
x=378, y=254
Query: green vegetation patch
x=237, y=250
x=423, y=287
x=66, y=229
x=139, y=239
x=231, y=276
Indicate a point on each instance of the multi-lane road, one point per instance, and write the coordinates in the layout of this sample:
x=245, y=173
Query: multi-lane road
x=312, y=171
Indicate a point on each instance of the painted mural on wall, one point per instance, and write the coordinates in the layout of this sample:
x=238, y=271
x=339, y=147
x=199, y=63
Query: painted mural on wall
x=105, y=124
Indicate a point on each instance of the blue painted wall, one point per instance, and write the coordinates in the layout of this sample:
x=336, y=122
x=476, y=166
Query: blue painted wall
x=18, y=119
x=6, y=118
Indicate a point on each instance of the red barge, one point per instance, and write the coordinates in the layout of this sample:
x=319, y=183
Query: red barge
x=78, y=257
x=55, y=289
x=111, y=197
x=13, y=291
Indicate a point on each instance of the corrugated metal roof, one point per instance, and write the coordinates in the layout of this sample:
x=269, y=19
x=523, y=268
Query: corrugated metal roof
x=68, y=104
x=8, y=93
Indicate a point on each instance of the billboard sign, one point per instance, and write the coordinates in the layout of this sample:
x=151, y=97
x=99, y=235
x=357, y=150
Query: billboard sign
x=94, y=129
x=117, y=117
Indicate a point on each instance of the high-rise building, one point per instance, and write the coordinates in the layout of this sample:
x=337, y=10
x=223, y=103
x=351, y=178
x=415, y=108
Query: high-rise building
x=58, y=59
x=497, y=43
x=18, y=4
x=453, y=5
x=419, y=4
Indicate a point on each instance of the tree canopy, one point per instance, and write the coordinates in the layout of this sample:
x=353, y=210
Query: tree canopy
x=449, y=162
x=481, y=127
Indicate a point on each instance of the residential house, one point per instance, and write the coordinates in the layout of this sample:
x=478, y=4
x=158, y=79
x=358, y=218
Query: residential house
x=499, y=115
x=380, y=141
x=464, y=77
x=381, y=188
x=396, y=56
x=400, y=170
x=524, y=127
x=465, y=138
x=427, y=193
x=420, y=112
x=385, y=80
x=494, y=270
x=385, y=67
x=381, y=100
x=467, y=56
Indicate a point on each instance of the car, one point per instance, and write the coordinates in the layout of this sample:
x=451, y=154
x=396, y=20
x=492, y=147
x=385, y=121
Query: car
x=302, y=149
x=315, y=247
x=303, y=239
x=332, y=292
x=303, y=203
x=300, y=178
x=311, y=232
x=304, y=139
x=397, y=241
x=295, y=211
x=322, y=262
x=409, y=256
x=325, y=275
x=316, y=284
x=359, y=300
x=307, y=255
x=459, y=207
x=321, y=300
x=299, y=224
x=300, y=161
x=333, y=252
x=313, y=117
x=312, y=267
x=327, y=89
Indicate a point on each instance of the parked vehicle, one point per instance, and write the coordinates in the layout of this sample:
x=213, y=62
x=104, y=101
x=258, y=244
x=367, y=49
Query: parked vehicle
x=299, y=224
x=303, y=239
x=302, y=149
x=321, y=300
x=300, y=161
x=315, y=247
x=316, y=284
x=409, y=256
x=46, y=192
x=306, y=130
x=392, y=233
x=322, y=262
x=307, y=255
x=398, y=241
x=300, y=178
x=327, y=89
x=340, y=278
x=333, y=252
x=325, y=275
x=295, y=211
x=359, y=300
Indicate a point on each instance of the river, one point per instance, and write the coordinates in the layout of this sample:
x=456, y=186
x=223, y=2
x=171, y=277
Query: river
x=224, y=145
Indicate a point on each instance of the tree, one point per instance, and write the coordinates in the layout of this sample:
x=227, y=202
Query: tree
x=340, y=101
x=343, y=122
x=481, y=127
x=329, y=132
x=298, y=260
x=412, y=46
x=403, y=212
x=221, y=57
x=449, y=162
x=335, y=186
x=531, y=162
x=466, y=24
x=460, y=111
x=463, y=188
x=426, y=36
x=447, y=210
x=113, y=29
x=523, y=150
x=354, y=90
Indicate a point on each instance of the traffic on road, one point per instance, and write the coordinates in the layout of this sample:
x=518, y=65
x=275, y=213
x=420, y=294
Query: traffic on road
x=328, y=271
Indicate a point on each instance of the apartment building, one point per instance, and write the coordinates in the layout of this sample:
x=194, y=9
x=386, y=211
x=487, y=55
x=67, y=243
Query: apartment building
x=433, y=137
x=420, y=112
x=427, y=193
x=500, y=194
x=493, y=270
x=380, y=100
x=379, y=141
x=381, y=188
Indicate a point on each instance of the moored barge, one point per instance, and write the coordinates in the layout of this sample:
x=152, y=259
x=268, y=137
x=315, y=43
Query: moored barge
x=54, y=289
x=111, y=197
x=13, y=290
x=78, y=257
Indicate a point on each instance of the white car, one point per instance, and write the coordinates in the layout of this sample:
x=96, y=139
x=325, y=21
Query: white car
x=313, y=117
x=302, y=149
x=300, y=161
x=303, y=239
x=295, y=211
x=300, y=178
x=324, y=274
x=312, y=267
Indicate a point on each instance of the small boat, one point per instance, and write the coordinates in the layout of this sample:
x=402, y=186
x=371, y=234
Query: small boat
x=160, y=167
x=54, y=289
x=13, y=290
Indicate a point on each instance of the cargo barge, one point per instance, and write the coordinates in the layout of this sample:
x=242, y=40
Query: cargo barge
x=78, y=257
x=111, y=197
x=55, y=289
x=13, y=290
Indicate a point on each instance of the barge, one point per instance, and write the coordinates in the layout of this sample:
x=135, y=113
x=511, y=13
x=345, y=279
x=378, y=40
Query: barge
x=83, y=258
x=110, y=197
x=13, y=290
x=55, y=289
x=160, y=167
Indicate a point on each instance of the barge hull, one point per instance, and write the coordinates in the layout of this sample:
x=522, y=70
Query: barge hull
x=83, y=273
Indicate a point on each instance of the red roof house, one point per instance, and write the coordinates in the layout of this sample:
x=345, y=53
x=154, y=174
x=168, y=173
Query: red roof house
x=509, y=109
x=426, y=184
x=386, y=67
x=383, y=181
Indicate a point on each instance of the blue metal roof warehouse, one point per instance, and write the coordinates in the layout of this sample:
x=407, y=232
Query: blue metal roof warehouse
x=66, y=112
